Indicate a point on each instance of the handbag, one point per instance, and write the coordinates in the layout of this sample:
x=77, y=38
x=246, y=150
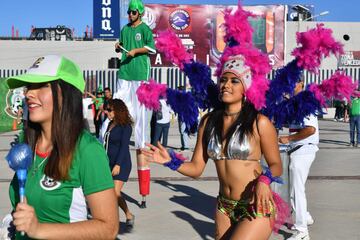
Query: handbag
x=158, y=113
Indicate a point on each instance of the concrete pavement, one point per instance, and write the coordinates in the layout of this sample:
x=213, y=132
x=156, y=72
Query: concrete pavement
x=181, y=208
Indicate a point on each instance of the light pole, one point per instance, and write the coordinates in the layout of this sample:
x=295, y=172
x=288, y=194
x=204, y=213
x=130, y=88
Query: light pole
x=318, y=15
x=312, y=17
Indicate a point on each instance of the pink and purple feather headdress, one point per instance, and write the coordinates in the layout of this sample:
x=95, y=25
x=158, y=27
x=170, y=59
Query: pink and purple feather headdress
x=239, y=43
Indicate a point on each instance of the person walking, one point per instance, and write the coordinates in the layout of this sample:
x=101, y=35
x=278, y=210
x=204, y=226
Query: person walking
x=105, y=123
x=116, y=143
x=184, y=136
x=303, y=140
x=162, y=124
x=98, y=102
x=136, y=42
x=355, y=122
x=69, y=168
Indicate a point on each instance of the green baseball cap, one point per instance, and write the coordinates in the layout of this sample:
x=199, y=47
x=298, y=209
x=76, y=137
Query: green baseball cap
x=136, y=5
x=50, y=68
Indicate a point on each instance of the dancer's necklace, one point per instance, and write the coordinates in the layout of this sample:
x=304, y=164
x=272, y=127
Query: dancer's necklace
x=231, y=114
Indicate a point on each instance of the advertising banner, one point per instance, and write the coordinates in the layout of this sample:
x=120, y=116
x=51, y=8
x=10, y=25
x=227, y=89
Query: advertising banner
x=10, y=102
x=199, y=27
x=106, y=18
x=350, y=59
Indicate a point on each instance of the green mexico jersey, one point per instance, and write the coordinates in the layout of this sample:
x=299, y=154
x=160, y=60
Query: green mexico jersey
x=64, y=201
x=355, y=107
x=98, y=102
x=136, y=68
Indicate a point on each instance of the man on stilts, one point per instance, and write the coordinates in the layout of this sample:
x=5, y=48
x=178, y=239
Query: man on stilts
x=136, y=42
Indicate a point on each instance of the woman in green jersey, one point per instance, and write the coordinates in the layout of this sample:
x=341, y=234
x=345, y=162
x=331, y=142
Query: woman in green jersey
x=69, y=168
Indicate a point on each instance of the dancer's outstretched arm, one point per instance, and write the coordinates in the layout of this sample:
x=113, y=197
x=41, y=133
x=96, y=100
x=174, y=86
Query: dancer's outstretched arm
x=194, y=168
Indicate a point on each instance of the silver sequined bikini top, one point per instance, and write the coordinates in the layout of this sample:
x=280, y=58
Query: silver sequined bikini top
x=234, y=151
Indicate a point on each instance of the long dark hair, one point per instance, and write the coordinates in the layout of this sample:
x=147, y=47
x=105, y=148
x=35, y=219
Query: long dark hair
x=122, y=115
x=66, y=128
x=245, y=121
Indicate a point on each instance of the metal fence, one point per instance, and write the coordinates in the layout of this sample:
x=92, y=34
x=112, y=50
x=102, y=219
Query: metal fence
x=173, y=77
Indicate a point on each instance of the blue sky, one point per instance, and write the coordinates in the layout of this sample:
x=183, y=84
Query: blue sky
x=78, y=13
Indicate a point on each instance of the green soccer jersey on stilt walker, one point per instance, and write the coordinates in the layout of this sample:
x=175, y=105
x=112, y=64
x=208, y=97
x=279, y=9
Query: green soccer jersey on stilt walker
x=64, y=201
x=138, y=67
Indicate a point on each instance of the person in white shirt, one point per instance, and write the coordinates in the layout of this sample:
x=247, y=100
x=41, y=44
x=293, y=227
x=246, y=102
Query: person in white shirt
x=303, y=140
x=162, y=125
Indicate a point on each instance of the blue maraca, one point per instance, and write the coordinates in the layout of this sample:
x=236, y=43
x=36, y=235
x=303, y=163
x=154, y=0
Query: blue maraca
x=19, y=159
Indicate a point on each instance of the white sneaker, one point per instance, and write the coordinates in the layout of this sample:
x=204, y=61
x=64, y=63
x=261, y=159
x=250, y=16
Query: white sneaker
x=300, y=236
x=310, y=221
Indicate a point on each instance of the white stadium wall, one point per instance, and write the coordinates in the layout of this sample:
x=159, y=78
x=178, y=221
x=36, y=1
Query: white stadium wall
x=93, y=56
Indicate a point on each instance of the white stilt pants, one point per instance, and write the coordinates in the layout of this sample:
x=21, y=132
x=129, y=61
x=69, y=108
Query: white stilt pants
x=126, y=91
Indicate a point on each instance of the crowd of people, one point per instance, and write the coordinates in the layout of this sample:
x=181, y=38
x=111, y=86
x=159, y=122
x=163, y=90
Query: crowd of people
x=75, y=183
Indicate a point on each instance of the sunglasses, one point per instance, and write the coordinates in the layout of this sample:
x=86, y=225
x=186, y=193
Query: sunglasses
x=132, y=12
x=109, y=110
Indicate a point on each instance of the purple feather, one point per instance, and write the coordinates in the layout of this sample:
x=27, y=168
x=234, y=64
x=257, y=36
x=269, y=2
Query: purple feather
x=281, y=87
x=183, y=104
x=295, y=109
x=201, y=83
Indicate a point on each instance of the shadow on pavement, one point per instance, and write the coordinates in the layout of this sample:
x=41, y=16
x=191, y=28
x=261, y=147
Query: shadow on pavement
x=285, y=233
x=195, y=200
x=342, y=143
x=130, y=199
x=204, y=229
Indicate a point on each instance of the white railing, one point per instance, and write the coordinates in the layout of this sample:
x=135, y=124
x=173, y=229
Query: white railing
x=172, y=76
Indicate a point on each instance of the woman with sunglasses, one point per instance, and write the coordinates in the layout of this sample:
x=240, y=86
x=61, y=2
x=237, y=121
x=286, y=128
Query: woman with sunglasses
x=116, y=143
x=70, y=169
x=136, y=42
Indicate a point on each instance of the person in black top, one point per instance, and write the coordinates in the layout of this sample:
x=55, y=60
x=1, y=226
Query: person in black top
x=116, y=143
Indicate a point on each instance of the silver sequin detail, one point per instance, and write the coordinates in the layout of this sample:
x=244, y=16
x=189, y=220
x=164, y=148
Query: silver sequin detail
x=235, y=150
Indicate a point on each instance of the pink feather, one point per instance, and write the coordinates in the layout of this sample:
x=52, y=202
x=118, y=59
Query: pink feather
x=356, y=93
x=316, y=44
x=283, y=214
x=237, y=26
x=168, y=43
x=149, y=94
x=338, y=86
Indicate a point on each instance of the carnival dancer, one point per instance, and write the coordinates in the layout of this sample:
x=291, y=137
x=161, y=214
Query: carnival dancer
x=136, y=42
x=235, y=136
x=69, y=166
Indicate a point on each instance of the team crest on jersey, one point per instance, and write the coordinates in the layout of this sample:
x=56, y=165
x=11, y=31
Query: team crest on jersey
x=49, y=184
x=138, y=37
